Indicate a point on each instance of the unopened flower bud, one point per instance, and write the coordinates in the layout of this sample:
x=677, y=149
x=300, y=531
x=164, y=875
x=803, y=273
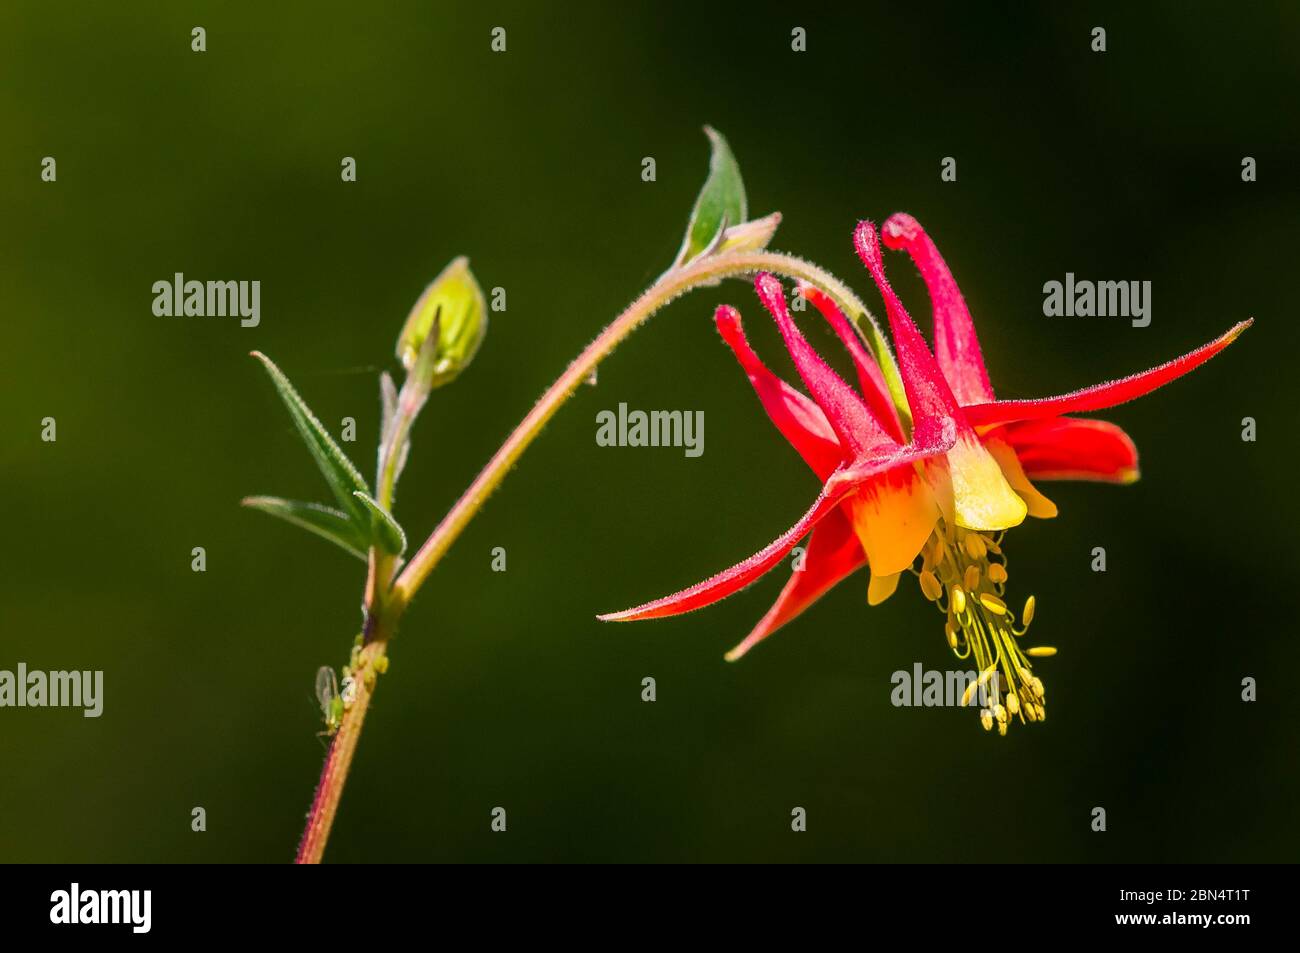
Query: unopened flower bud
x=750, y=236
x=446, y=326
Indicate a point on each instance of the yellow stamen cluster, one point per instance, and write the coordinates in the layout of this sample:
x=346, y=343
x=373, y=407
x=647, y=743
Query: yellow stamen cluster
x=970, y=570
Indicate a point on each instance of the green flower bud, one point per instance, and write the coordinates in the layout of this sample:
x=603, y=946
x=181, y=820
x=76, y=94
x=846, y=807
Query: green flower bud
x=446, y=326
x=750, y=236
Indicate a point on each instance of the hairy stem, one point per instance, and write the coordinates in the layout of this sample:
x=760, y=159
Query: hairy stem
x=334, y=775
x=385, y=605
x=671, y=285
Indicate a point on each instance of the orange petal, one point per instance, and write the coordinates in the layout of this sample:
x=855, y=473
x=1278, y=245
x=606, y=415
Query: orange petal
x=894, y=514
x=881, y=588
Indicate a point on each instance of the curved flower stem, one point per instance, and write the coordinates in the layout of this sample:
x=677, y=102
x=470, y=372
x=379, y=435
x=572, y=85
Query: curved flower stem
x=671, y=285
x=385, y=606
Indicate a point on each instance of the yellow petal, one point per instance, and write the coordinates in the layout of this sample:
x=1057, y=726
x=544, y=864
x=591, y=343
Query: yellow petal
x=982, y=498
x=937, y=478
x=1038, y=505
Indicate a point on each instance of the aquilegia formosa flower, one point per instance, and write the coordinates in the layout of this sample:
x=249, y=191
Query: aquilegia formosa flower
x=938, y=481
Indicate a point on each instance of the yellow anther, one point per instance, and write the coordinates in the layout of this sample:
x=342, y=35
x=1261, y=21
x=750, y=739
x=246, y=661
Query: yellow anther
x=1002, y=728
x=999, y=713
x=952, y=639
x=1041, y=651
x=931, y=586
x=986, y=718
x=381, y=664
x=974, y=686
x=997, y=574
x=958, y=600
x=993, y=604
x=975, y=546
x=1037, y=685
x=1013, y=703
x=1027, y=616
x=972, y=578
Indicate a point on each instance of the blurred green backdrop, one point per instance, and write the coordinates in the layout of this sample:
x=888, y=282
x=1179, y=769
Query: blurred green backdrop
x=504, y=690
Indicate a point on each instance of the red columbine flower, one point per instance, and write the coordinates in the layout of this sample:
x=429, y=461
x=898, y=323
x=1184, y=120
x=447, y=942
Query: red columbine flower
x=939, y=482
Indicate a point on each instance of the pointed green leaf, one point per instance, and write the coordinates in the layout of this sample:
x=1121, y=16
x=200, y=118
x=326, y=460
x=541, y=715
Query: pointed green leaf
x=384, y=530
x=337, y=469
x=721, y=202
x=321, y=520
x=388, y=410
x=387, y=404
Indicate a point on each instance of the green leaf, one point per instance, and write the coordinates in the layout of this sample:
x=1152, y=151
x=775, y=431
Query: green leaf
x=339, y=473
x=384, y=530
x=388, y=405
x=321, y=520
x=721, y=202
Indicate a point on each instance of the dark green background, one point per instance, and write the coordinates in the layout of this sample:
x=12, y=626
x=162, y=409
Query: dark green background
x=504, y=690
